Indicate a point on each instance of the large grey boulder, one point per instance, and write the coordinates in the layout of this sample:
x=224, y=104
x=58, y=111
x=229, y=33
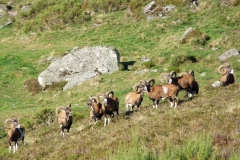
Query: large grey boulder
x=150, y=7
x=194, y=36
x=186, y=34
x=80, y=65
x=228, y=54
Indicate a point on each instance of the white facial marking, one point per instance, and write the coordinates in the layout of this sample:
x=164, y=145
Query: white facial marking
x=18, y=126
x=144, y=88
x=232, y=71
x=170, y=81
x=105, y=100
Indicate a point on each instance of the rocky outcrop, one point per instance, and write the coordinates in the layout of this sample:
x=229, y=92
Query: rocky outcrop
x=153, y=10
x=4, y=9
x=80, y=65
x=216, y=84
x=194, y=36
x=228, y=54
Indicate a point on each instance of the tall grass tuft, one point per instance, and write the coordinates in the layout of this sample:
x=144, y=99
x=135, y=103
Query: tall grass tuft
x=134, y=150
x=235, y=155
x=198, y=148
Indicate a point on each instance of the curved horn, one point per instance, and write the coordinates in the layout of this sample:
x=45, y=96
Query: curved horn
x=90, y=97
x=60, y=107
x=136, y=86
x=221, y=69
x=191, y=72
x=143, y=82
x=110, y=92
x=164, y=74
x=226, y=64
x=100, y=94
x=173, y=74
x=6, y=121
x=151, y=80
x=164, y=77
x=88, y=101
x=94, y=98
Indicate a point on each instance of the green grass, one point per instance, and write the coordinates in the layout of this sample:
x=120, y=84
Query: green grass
x=199, y=147
x=187, y=132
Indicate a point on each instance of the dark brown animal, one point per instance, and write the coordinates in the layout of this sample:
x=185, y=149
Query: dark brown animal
x=111, y=94
x=96, y=111
x=109, y=106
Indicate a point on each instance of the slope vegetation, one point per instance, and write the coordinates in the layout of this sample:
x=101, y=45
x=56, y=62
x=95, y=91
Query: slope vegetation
x=206, y=127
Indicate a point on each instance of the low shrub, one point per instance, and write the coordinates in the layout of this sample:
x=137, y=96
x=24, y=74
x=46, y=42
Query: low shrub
x=56, y=86
x=148, y=64
x=32, y=86
x=173, y=68
x=44, y=116
x=180, y=59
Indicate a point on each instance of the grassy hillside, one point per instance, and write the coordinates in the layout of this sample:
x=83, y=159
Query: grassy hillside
x=207, y=127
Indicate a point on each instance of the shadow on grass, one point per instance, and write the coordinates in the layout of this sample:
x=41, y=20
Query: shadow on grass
x=127, y=114
x=126, y=65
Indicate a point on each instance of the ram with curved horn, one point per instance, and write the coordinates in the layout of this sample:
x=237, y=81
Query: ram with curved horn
x=134, y=98
x=96, y=111
x=109, y=106
x=65, y=118
x=15, y=133
x=110, y=94
x=157, y=92
x=185, y=81
x=227, y=74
